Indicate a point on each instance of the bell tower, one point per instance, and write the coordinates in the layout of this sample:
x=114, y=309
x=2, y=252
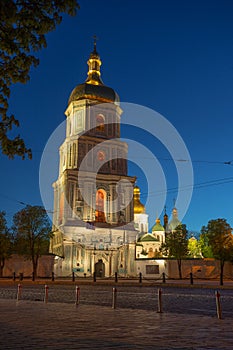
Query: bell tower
x=93, y=195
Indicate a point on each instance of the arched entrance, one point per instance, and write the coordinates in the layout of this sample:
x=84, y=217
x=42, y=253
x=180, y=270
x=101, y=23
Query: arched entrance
x=100, y=269
x=99, y=206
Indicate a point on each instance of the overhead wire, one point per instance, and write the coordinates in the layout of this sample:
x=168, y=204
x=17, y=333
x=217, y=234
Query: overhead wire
x=169, y=190
x=168, y=159
x=187, y=187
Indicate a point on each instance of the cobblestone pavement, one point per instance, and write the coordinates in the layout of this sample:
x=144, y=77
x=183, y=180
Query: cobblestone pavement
x=188, y=322
x=36, y=325
x=175, y=299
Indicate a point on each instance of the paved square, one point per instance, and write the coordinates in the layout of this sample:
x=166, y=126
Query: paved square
x=36, y=325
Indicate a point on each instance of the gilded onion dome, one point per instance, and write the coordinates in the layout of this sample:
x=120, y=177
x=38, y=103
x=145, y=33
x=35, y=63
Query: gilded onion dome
x=138, y=206
x=157, y=226
x=94, y=88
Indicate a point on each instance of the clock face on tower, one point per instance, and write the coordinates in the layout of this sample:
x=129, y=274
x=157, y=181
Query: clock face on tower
x=101, y=156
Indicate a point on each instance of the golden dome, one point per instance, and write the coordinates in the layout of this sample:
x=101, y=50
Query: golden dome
x=94, y=88
x=138, y=206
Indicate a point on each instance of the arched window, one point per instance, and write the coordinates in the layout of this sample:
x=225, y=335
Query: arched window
x=100, y=127
x=100, y=206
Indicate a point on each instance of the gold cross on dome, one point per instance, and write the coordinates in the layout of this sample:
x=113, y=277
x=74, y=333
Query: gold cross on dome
x=95, y=40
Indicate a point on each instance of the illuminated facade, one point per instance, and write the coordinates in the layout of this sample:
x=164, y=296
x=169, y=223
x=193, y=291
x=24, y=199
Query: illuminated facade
x=148, y=245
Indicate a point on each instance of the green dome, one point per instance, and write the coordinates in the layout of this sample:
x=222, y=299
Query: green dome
x=174, y=221
x=157, y=226
x=147, y=238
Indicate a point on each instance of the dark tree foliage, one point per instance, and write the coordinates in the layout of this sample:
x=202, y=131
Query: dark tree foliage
x=5, y=242
x=220, y=239
x=176, y=246
x=23, y=26
x=32, y=232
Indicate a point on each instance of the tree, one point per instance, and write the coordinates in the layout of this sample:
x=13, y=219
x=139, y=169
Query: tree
x=176, y=245
x=194, y=248
x=32, y=231
x=205, y=247
x=220, y=239
x=5, y=242
x=23, y=26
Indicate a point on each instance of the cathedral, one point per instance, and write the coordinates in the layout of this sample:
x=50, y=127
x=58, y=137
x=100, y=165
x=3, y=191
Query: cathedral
x=99, y=224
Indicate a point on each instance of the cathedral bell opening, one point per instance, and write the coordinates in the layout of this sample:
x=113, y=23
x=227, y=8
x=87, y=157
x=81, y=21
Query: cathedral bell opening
x=100, y=203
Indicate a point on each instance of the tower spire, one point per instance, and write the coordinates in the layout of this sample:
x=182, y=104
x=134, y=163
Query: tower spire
x=165, y=218
x=94, y=63
x=95, y=40
x=174, y=202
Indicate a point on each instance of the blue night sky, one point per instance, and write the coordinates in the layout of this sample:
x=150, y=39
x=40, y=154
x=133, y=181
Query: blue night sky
x=175, y=57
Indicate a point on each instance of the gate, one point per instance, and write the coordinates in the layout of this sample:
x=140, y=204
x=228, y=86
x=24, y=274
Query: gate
x=100, y=269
